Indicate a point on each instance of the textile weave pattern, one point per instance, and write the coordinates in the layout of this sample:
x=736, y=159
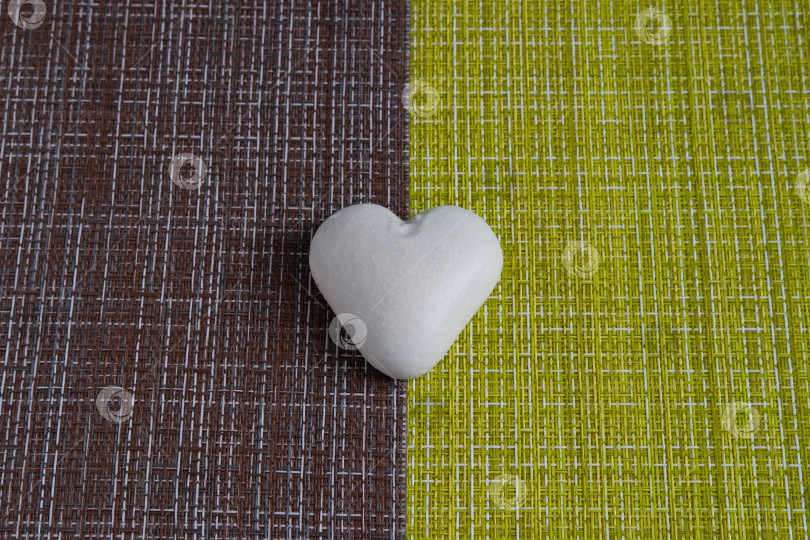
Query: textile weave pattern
x=641, y=370
x=165, y=366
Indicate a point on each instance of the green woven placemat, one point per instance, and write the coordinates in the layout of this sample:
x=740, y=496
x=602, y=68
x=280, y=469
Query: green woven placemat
x=641, y=370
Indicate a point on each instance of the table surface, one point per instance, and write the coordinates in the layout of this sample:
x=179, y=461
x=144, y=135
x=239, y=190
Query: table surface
x=166, y=365
x=641, y=371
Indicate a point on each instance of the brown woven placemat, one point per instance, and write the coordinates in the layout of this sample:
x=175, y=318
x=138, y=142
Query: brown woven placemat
x=165, y=366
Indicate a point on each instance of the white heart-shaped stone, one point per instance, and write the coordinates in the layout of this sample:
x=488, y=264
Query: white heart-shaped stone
x=414, y=285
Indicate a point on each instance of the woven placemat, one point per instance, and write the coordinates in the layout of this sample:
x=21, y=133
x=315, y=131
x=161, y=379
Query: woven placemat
x=641, y=371
x=165, y=366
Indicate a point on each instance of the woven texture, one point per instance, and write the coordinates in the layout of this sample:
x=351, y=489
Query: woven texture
x=641, y=371
x=165, y=366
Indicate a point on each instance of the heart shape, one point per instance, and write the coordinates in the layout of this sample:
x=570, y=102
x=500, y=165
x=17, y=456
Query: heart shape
x=408, y=288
